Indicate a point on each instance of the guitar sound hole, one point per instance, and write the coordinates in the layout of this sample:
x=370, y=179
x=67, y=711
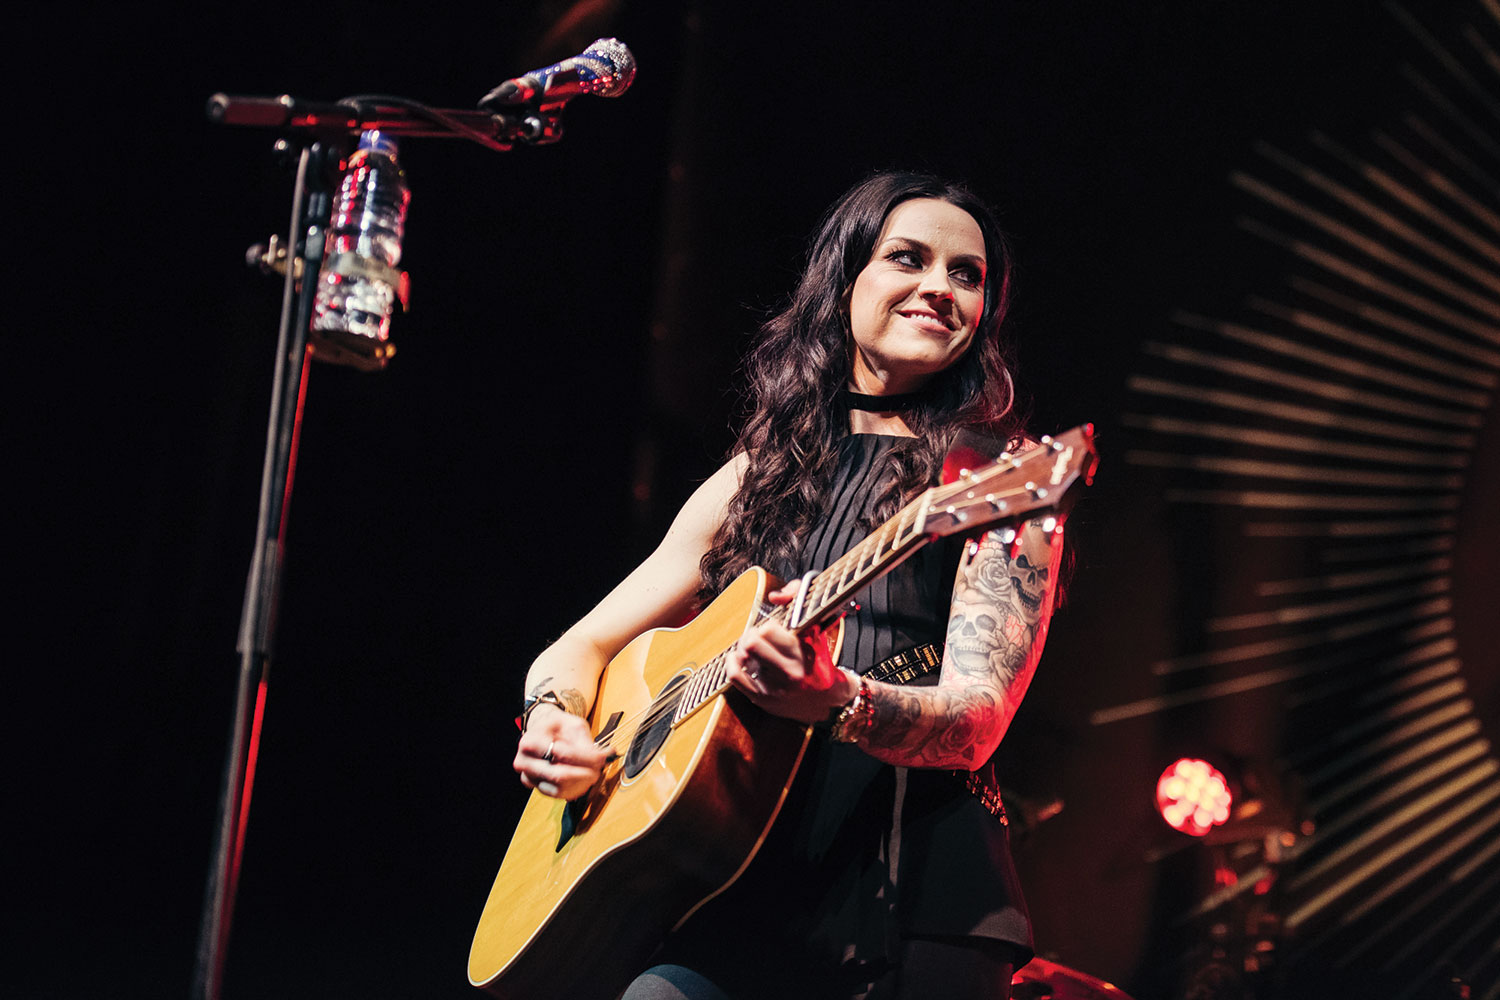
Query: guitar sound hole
x=653, y=733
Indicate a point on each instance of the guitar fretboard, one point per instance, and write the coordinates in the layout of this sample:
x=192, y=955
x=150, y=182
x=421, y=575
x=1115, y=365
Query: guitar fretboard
x=892, y=542
x=824, y=596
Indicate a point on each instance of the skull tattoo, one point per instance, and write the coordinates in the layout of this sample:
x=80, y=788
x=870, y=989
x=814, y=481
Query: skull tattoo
x=1029, y=581
x=973, y=634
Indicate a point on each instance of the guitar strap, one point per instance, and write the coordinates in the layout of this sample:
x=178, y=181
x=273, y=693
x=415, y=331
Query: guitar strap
x=907, y=665
x=919, y=661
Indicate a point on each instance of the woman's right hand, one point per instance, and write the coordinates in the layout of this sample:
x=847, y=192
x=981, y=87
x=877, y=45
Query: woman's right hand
x=557, y=755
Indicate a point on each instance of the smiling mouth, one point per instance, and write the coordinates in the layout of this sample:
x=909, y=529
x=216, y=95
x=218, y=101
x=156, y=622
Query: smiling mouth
x=929, y=320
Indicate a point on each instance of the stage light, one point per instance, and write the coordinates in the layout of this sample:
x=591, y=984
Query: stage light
x=1193, y=796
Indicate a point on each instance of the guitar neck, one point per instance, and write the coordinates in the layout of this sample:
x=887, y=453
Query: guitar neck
x=828, y=594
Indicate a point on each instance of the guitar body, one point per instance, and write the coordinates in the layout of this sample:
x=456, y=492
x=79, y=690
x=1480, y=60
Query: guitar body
x=589, y=889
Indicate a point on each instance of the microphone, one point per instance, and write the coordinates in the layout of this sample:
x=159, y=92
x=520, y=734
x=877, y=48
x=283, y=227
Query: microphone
x=605, y=68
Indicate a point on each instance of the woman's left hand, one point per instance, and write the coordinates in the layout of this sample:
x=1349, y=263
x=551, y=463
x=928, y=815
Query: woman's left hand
x=787, y=676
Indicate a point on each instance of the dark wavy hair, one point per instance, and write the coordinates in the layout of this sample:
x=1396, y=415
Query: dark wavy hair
x=801, y=360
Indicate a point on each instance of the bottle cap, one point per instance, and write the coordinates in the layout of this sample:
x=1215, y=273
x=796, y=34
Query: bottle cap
x=378, y=141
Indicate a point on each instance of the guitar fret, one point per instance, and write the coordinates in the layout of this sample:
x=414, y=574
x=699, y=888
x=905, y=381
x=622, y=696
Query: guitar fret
x=688, y=698
x=816, y=593
x=831, y=592
x=706, y=679
x=700, y=688
x=714, y=679
x=710, y=680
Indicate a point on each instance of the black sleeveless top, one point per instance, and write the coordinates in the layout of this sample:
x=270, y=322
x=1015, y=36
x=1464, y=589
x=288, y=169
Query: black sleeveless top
x=822, y=886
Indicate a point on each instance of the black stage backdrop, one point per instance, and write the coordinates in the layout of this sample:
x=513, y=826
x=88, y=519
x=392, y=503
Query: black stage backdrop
x=1199, y=200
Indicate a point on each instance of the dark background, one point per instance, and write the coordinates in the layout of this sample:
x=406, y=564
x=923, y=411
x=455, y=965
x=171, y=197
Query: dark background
x=564, y=378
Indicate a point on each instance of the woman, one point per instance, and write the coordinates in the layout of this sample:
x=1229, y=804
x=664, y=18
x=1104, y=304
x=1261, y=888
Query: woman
x=886, y=875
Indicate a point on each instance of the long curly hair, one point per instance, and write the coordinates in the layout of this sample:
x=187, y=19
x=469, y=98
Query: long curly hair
x=803, y=357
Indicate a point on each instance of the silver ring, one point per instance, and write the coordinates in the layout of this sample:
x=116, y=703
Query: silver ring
x=548, y=755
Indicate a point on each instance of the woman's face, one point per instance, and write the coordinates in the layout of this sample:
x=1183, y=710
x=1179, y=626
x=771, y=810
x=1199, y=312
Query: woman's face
x=914, y=307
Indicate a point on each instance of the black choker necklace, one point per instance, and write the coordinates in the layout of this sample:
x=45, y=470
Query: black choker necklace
x=881, y=404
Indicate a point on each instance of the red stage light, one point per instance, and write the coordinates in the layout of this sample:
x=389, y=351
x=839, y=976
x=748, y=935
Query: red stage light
x=1193, y=796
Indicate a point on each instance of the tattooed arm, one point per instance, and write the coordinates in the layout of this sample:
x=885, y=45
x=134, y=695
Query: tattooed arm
x=1002, y=602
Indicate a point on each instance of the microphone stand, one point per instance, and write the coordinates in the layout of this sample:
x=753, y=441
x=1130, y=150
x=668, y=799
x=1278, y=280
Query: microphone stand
x=325, y=132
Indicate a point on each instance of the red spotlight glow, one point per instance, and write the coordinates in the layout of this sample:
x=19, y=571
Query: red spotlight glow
x=1193, y=796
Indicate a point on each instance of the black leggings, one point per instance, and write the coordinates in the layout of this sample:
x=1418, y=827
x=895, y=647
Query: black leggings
x=957, y=968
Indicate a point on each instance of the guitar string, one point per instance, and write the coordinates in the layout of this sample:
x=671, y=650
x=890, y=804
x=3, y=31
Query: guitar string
x=935, y=497
x=660, y=707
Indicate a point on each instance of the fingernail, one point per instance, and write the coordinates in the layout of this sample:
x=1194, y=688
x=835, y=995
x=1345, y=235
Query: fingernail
x=547, y=788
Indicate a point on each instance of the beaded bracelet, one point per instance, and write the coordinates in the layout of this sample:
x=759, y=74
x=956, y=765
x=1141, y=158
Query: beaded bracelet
x=855, y=719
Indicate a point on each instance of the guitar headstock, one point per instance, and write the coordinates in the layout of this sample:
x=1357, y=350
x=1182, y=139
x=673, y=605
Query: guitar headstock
x=1013, y=486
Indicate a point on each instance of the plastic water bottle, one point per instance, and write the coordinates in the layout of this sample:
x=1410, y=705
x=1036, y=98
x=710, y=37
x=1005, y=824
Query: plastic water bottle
x=359, y=283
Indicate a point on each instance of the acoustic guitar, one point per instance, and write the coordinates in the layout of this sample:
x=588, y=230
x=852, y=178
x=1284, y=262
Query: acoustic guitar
x=588, y=889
